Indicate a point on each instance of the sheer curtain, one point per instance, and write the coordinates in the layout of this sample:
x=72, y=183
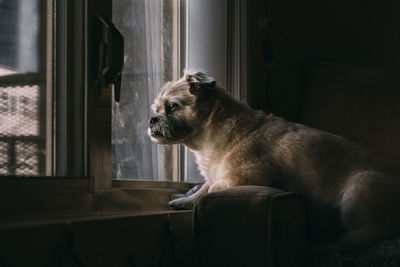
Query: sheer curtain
x=148, y=29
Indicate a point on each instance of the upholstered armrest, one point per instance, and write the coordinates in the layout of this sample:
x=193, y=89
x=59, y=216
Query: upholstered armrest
x=250, y=226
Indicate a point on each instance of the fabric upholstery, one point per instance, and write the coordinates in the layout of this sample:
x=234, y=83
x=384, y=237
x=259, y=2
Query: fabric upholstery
x=250, y=226
x=384, y=254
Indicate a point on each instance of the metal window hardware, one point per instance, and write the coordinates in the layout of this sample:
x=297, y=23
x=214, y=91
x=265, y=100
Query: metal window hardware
x=110, y=57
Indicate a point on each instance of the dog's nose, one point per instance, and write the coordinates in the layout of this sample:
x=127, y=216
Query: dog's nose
x=153, y=120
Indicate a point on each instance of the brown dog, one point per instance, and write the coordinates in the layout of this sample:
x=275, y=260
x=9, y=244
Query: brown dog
x=345, y=192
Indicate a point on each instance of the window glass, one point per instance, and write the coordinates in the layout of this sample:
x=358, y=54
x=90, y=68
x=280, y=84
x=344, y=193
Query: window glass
x=19, y=26
x=22, y=88
x=155, y=48
x=149, y=28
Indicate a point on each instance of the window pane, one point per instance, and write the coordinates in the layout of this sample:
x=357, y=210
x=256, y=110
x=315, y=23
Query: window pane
x=19, y=27
x=20, y=140
x=19, y=111
x=150, y=56
x=3, y=158
x=27, y=158
x=23, y=109
x=19, y=130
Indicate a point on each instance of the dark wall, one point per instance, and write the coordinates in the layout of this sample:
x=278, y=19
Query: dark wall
x=332, y=65
x=259, y=55
x=361, y=32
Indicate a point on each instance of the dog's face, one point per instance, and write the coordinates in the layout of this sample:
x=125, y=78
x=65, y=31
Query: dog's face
x=181, y=109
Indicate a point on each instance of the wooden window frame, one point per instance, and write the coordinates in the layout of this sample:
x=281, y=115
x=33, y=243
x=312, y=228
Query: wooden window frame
x=83, y=132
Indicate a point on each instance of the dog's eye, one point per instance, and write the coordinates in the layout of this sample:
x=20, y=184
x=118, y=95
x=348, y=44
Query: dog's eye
x=171, y=107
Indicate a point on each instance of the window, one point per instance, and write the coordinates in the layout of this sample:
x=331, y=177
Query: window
x=25, y=113
x=42, y=88
x=55, y=122
x=54, y=119
x=161, y=39
x=44, y=97
x=152, y=34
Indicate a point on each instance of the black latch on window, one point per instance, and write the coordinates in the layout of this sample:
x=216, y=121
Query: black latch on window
x=110, y=56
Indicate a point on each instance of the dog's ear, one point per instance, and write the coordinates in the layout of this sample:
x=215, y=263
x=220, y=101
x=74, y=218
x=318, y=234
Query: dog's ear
x=198, y=82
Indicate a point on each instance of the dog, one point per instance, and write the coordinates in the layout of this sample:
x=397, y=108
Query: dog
x=348, y=197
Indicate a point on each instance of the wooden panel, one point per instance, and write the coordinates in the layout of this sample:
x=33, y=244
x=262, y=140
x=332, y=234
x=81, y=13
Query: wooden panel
x=99, y=108
x=149, y=240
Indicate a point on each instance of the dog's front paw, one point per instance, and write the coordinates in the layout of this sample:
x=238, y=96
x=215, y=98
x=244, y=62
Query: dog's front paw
x=182, y=204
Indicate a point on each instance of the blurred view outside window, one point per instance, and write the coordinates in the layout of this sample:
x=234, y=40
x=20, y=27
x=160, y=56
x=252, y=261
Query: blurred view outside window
x=22, y=87
x=150, y=31
x=154, y=32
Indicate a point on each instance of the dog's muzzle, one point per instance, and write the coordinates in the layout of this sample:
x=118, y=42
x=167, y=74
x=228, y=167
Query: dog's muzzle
x=154, y=130
x=168, y=128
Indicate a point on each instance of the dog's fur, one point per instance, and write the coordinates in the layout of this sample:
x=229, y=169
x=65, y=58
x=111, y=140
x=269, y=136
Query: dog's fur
x=344, y=190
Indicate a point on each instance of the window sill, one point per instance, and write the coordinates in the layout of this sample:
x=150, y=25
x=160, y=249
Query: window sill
x=52, y=201
x=151, y=184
